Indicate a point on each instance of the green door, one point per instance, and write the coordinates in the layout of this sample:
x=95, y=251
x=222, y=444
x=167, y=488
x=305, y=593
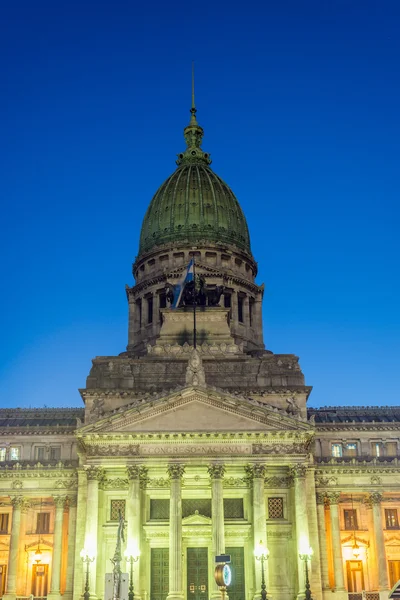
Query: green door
x=159, y=573
x=197, y=574
x=237, y=590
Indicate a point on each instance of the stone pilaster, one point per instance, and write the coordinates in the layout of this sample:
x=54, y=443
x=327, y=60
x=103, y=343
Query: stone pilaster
x=55, y=582
x=72, y=502
x=375, y=499
x=216, y=472
x=175, y=472
x=134, y=525
x=323, y=546
x=299, y=472
x=336, y=541
x=257, y=473
x=94, y=475
x=20, y=507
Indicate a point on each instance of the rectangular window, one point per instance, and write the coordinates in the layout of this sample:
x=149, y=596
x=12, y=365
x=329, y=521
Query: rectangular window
x=193, y=506
x=350, y=520
x=391, y=448
x=233, y=508
x=149, y=310
x=251, y=311
x=159, y=509
x=351, y=449
x=117, y=507
x=139, y=312
x=163, y=300
x=391, y=518
x=376, y=449
x=40, y=453
x=43, y=522
x=227, y=300
x=3, y=523
x=2, y=454
x=275, y=508
x=14, y=453
x=55, y=453
x=240, y=308
x=337, y=450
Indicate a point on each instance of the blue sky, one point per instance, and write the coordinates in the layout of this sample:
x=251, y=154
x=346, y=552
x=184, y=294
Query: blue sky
x=300, y=106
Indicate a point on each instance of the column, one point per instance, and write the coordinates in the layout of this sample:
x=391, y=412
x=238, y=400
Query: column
x=20, y=507
x=336, y=542
x=81, y=499
x=375, y=499
x=134, y=526
x=323, y=547
x=298, y=473
x=216, y=472
x=259, y=523
x=175, y=472
x=94, y=475
x=315, y=563
x=54, y=594
x=72, y=501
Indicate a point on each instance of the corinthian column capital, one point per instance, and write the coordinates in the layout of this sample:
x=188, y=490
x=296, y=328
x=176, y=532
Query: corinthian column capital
x=374, y=498
x=256, y=471
x=176, y=471
x=216, y=471
x=94, y=473
x=298, y=471
x=333, y=497
x=59, y=501
x=20, y=503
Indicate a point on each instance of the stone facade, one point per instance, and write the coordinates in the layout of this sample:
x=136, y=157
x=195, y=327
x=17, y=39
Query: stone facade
x=204, y=450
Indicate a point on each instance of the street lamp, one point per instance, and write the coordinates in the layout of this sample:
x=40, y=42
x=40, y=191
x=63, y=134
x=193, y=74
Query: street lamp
x=86, y=559
x=306, y=555
x=131, y=558
x=262, y=553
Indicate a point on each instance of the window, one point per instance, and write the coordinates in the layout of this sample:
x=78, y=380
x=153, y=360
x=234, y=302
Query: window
x=227, y=300
x=116, y=507
x=391, y=518
x=376, y=449
x=163, y=300
x=275, y=508
x=149, y=310
x=40, y=453
x=240, y=308
x=139, y=312
x=43, y=523
x=3, y=522
x=192, y=506
x=251, y=311
x=337, y=450
x=391, y=448
x=14, y=453
x=233, y=508
x=55, y=453
x=351, y=449
x=159, y=509
x=2, y=454
x=350, y=519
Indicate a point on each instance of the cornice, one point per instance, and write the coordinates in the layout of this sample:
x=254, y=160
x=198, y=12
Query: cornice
x=35, y=430
x=329, y=427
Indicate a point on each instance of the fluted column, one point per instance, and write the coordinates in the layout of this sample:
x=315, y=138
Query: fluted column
x=175, y=472
x=336, y=542
x=59, y=502
x=216, y=472
x=323, y=547
x=257, y=473
x=72, y=502
x=299, y=473
x=94, y=475
x=133, y=514
x=20, y=507
x=375, y=498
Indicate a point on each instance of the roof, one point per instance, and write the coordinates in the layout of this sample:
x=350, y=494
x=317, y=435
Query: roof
x=40, y=417
x=355, y=414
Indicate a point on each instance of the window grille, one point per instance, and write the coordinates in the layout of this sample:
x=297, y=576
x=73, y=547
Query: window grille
x=3, y=523
x=391, y=518
x=115, y=507
x=275, y=508
x=159, y=509
x=350, y=519
x=192, y=506
x=233, y=508
x=55, y=453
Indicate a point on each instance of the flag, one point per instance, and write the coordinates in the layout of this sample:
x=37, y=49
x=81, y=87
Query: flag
x=178, y=289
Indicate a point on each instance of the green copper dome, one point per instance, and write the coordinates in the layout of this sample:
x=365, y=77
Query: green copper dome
x=194, y=204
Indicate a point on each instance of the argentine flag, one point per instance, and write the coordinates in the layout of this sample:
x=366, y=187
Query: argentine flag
x=178, y=291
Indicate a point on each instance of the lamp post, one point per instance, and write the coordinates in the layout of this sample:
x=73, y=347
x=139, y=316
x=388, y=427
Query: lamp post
x=131, y=558
x=262, y=553
x=86, y=559
x=306, y=555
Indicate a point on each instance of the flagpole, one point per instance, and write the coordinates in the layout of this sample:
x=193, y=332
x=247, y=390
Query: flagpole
x=194, y=306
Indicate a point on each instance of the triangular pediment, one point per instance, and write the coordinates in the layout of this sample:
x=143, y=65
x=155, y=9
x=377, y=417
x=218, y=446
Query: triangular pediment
x=197, y=410
x=196, y=519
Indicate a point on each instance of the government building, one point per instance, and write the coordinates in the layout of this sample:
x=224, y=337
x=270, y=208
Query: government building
x=203, y=443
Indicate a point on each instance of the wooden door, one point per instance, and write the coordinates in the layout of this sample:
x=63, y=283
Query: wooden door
x=394, y=571
x=159, y=573
x=355, y=576
x=197, y=573
x=3, y=575
x=39, y=580
x=237, y=589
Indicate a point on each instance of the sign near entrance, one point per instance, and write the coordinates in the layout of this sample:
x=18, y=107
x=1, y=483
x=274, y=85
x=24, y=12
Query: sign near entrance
x=223, y=558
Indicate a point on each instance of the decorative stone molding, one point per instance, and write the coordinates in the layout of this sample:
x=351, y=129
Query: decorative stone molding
x=277, y=482
x=94, y=473
x=72, y=501
x=72, y=484
x=158, y=482
x=298, y=471
x=376, y=480
x=255, y=471
x=59, y=501
x=236, y=482
x=216, y=471
x=325, y=481
x=118, y=483
x=20, y=503
x=297, y=448
x=133, y=472
x=17, y=484
x=321, y=498
x=113, y=450
x=333, y=497
x=175, y=471
x=375, y=498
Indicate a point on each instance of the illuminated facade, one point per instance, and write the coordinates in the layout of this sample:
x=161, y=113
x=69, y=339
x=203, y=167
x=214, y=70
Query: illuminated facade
x=204, y=451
